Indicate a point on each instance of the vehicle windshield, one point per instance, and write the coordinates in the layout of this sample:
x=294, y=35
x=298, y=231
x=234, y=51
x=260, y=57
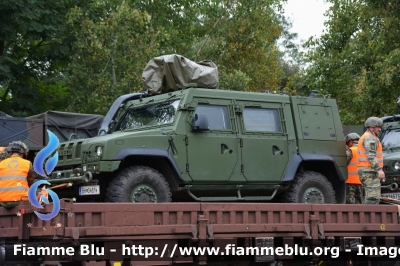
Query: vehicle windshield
x=148, y=115
x=391, y=139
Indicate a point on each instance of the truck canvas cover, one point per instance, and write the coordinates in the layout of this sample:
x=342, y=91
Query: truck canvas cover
x=171, y=72
x=64, y=124
x=30, y=131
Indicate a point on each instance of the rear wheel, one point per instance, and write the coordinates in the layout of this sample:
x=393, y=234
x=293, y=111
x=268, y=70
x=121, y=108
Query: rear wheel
x=310, y=187
x=138, y=184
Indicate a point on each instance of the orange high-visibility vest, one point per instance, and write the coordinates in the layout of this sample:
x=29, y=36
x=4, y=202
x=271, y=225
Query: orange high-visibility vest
x=13, y=179
x=352, y=169
x=362, y=153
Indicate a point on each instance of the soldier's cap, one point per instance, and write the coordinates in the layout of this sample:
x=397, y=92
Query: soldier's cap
x=19, y=147
x=373, y=122
x=352, y=136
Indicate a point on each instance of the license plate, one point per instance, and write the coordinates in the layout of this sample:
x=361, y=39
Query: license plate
x=391, y=195
x=350, y=243
x=89, y=190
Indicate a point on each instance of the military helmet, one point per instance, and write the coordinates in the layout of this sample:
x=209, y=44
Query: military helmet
x=352, y=136
x=19, y=147
x=373, y=122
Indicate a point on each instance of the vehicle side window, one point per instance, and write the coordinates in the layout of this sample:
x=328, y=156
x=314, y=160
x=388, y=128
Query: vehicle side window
x=257, y=119
x=217, y=115
x=391, y=139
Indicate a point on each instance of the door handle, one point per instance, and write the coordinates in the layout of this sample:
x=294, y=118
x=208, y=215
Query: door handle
x=225, y=149
x=276, y=150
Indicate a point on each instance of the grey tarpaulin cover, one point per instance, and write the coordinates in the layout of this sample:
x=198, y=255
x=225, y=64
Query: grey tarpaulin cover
x=70, y=120
x=66, y=125
x=171, y=72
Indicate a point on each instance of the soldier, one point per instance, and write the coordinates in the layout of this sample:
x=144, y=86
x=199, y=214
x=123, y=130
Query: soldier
x=353, y=183
x=370, y=161
x=16, y=175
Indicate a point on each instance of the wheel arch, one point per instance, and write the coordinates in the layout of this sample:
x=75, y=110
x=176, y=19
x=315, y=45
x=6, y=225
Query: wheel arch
x=158, y=159
x=320, y=163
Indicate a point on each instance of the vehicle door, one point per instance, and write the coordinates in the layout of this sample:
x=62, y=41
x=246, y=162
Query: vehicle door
x=266, y=141
x=212, y=150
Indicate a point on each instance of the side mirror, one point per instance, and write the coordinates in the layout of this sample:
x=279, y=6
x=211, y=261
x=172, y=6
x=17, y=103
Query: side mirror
x=200, y=122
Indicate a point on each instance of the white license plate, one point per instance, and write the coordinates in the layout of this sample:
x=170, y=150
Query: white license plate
x=351, y=243
x=89, y=190
x=391, y=195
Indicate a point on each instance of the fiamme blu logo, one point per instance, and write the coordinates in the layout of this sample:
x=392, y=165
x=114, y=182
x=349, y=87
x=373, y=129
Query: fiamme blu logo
x=49, y=166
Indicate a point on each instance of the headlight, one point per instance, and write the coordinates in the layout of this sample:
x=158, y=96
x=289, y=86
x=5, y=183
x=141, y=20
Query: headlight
x=99, y=150
x=397, y=166
x=84, y=168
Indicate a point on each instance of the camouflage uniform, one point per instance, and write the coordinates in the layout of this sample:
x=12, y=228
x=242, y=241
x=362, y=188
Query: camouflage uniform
x=369, y=175
x=354, y=194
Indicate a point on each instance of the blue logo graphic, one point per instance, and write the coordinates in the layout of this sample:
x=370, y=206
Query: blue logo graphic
x=44, y=153
x=34, y=201
x=50, y=165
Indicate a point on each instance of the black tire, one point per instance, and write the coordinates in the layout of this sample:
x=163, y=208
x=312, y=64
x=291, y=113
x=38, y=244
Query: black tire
x=310, y=187
x=138, y=184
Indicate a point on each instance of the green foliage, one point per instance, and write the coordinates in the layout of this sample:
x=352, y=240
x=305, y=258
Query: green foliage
x=116, y=39
x=80, y=56
x=290, y=62
x=292, y=80
x=235, y=81
x=35, y=49
x=357, y=60
x=110, y=52
x=245, y=40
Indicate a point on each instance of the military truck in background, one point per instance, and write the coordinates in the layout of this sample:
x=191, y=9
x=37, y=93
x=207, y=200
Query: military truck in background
x=206, y=144
x=390, y=138
x=33, y=130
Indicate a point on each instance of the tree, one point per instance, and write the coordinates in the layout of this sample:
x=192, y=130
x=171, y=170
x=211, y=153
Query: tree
x=36, y=48
x=80, y=55
x=246, y=41
x=356, y=60
x=116, y=39
x=111, y=49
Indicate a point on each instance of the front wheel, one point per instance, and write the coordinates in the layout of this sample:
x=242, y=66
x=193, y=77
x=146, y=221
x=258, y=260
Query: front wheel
x=138, y=184
x=310, y=187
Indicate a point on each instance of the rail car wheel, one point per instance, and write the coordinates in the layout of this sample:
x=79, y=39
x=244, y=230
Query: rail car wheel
x=310, y=187
x=138, y=184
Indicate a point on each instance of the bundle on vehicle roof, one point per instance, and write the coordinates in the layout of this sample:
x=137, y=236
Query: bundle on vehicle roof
x=171, y=72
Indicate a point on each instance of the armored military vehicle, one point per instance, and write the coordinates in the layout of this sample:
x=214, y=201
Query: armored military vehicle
x=390, y=138
x=205, y=144
x=212, y=145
